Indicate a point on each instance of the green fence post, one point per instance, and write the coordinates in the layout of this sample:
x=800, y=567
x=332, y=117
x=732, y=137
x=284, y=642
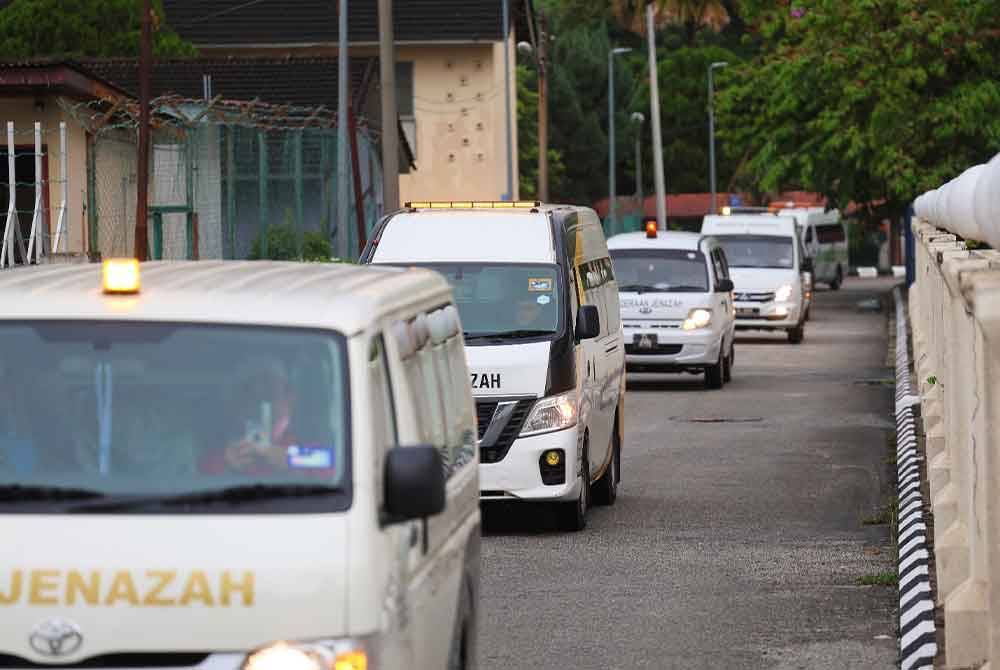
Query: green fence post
x=262, y=204
x=157, y=235
x=299, y=189
x=231, y=187
x=191, y=151
x=92, y=245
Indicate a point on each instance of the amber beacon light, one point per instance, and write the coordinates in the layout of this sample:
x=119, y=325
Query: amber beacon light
x=120, y=276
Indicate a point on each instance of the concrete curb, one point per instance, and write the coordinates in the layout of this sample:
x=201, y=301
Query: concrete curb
x=917, y=641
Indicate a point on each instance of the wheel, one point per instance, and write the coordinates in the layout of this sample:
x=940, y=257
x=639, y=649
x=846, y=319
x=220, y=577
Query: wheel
x=605, y=490
x=795, y=334
x=714, y=374
x=835, y=284
x=573, y=515
x=727, y=367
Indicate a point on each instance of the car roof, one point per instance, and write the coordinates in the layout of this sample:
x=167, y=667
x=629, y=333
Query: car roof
x=338, y=296
x=749, y=224
x=663, y=240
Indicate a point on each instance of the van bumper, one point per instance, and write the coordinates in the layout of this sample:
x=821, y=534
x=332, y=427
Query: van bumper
x=687, y=349
x=768, y=315
x=518, y=476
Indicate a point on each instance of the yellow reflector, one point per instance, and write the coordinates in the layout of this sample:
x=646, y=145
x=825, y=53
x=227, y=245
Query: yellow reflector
x=552, y=458
x=121, y=275
x=351, y=660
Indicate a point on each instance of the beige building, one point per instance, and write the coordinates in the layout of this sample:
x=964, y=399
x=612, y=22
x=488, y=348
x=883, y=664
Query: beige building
x=452, y=73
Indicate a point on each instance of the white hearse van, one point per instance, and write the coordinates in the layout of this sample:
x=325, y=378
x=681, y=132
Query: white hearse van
x=768, y=266
x=539, y=305
x=235, y=466
x=677, y=303
x=824, y=238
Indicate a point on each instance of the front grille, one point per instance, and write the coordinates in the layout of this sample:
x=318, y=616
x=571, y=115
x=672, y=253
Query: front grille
x=497, y=451
x=754, y=296
x=659, y=349
x=646, y=324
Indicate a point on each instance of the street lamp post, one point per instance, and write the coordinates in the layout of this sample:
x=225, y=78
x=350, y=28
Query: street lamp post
x=612, y=214
x=711, y=129
x=540, y=56
x=639, y=119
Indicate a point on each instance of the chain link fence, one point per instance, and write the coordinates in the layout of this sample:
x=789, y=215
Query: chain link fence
x=228, y=179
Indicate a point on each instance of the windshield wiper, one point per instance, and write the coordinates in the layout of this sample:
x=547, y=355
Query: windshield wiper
x=21, y=493
x=637, y=288
x=507, y=334
x=231, y=494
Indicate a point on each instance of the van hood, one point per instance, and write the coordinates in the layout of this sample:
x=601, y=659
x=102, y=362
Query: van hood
x=761, y=279
x=515, y=369
x=179, y=583
x=660, y=306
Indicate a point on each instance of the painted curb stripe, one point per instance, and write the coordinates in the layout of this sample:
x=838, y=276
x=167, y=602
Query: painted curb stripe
x=918, y=638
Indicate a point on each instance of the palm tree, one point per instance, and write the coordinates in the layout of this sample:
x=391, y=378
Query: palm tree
x=692, y=15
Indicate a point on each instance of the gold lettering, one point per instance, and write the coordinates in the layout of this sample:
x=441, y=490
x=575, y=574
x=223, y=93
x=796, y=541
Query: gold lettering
x=12, y=596
x=89, y=591
x=122, y=588
x=163, y=579
x=244, y=586
x=197, y=588
x=43, y=582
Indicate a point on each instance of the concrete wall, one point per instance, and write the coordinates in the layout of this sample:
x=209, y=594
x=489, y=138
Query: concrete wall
x=955, y=314
x=23, y=113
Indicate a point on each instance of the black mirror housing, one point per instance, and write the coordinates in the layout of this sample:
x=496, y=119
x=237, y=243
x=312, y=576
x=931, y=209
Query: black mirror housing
x=807, y=265
x=588, y=323
x=414, y=484
x=724, y=286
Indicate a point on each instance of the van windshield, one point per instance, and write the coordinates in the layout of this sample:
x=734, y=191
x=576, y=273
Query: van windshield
x=145, y=417
x=758, y=251
x=660, y=270
x=504, y=301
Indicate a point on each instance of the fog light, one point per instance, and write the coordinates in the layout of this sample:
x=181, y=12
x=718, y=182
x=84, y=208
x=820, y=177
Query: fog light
x=781, y=311
x=553, y=458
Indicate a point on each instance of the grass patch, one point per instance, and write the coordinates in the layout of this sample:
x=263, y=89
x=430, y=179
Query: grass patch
x=890, y=460
x=887, y=578
x=886, y=515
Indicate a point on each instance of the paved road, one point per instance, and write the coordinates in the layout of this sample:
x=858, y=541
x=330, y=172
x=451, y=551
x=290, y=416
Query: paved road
x=733, y=545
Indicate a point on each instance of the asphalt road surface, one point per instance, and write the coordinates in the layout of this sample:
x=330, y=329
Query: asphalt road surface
x=736, y=542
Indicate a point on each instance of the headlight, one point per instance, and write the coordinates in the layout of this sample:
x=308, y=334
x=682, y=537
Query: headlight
x=347, y=654
x=553, y=413
x=783, y=293
x=697, y=318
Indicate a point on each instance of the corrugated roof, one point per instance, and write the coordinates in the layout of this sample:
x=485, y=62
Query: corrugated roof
x=280, y=22
x=322, y=295
x=307, y=82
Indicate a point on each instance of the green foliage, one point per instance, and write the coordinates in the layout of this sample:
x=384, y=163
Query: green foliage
x=282, y=245
x=887, y=578
x=98, y=28
x=866, y=102
x=316, y=247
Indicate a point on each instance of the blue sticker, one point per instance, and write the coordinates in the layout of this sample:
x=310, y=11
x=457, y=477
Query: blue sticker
x=310, y=458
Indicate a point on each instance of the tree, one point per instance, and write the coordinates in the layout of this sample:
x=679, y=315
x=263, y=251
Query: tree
x=94, y=28
x=691, y=15
x=867, y=102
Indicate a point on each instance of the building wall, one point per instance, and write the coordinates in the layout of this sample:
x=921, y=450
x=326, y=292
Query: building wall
x=23, y=113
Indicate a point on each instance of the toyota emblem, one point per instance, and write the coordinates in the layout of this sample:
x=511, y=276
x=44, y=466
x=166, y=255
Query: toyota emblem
x=645, y=309
x=56, y=637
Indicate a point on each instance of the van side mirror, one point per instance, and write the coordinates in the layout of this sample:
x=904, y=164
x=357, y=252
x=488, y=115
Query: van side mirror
x=807, y=265
x=588, y=323
x=724, y=286
x=414, y=484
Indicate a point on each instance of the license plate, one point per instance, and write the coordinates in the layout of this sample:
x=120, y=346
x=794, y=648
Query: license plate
x=645, y=341
x=745, y=311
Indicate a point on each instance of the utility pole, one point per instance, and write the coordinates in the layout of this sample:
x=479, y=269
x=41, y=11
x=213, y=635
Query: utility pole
x=612, y=190
x=654, y=102
x=639, y=119
x=343, y=225
x=390, y=113
x=142, y=170
x=543, y=110
x=506, y=99
x=711, y=131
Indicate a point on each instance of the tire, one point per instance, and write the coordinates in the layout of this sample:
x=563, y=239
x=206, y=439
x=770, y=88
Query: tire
x=727, y=367
x=462, y=655
x=796, y=334
x=835, y=284
x=605, y=489
x=714, y=374
x=573, y=515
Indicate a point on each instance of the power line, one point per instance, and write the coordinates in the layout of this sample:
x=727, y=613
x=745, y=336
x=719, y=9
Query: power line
x=221, y=12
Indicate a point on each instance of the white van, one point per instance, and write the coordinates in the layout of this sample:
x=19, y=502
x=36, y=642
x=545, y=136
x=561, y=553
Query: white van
x=768, y=266
x=824, y=238
x=539, y=304
x=235, y=466
x=677, y=303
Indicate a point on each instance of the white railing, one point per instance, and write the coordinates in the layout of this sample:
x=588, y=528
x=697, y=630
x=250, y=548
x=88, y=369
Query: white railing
x=955, y=317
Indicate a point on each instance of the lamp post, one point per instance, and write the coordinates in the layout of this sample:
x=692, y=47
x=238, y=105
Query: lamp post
x=639, y=119
x=540, y=57
x=654, y=102
x=612, y=214
x=711, y=129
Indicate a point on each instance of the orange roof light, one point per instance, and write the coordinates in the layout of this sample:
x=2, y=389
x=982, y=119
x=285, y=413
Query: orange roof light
x=120, y=275
x=651, y=229
x=474, y=204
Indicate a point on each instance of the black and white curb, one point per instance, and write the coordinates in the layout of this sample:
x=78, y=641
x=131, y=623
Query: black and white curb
x=917, y=642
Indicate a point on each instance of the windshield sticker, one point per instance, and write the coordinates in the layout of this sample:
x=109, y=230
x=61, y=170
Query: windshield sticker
x=544, y=300
x=540, y=285
x=310, y=458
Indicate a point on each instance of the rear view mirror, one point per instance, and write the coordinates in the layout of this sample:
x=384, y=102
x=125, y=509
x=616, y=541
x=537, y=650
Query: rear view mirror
x=414, y=484
x=724, y=286
x=588, y=323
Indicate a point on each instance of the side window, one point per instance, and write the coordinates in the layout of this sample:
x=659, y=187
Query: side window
x=809, y=235
x=724, y=262
x=383, y=407
x=592, y=278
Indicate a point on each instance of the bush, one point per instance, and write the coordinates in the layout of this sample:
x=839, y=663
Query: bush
x=281, y=245
x=316, y=247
